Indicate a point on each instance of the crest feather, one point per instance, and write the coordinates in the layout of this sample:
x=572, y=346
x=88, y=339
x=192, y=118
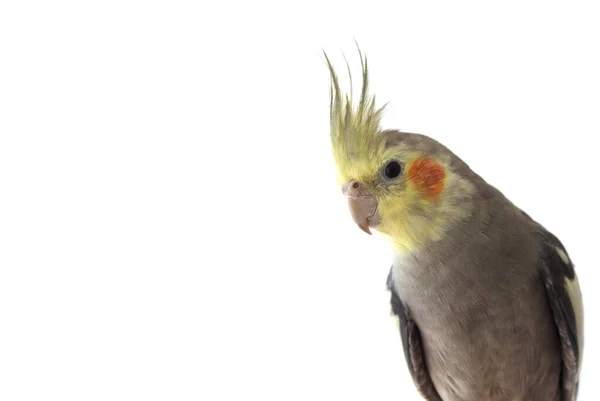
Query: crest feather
x=352, y=126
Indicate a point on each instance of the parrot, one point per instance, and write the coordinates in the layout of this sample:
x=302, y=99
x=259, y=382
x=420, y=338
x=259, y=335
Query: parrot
x=487, y=301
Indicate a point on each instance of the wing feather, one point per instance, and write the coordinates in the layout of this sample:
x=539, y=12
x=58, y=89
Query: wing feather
x=413, y=348
x=564, y=296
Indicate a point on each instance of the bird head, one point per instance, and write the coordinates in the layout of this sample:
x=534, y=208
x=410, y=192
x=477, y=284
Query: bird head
x=408, y=187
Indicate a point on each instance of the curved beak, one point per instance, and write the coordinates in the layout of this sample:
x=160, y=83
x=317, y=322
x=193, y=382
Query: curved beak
x=363, y=206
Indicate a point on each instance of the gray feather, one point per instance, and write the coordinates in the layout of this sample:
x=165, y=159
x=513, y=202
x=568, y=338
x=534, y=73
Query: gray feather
x=494, y=319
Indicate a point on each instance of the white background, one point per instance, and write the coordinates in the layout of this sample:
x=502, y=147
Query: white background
x=170, y=224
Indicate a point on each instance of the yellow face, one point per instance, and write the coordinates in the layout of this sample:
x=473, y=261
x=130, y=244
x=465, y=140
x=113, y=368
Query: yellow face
x=397, y=190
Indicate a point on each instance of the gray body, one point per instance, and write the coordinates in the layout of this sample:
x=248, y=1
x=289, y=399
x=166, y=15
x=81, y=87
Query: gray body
x=485, y=323
x=485, y=310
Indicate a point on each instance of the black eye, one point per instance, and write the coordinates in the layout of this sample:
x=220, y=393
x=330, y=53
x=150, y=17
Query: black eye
x=392, y=169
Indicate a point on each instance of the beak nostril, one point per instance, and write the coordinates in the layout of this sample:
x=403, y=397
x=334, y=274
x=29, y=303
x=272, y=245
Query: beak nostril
x=352, y=188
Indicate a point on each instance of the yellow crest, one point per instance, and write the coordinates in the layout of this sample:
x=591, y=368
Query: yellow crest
x=354, y=128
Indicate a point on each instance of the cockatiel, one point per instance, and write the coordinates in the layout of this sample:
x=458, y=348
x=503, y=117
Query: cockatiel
x=488, y=302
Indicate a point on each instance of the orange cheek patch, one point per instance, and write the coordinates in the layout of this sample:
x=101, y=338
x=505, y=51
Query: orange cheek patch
x=428, y=176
